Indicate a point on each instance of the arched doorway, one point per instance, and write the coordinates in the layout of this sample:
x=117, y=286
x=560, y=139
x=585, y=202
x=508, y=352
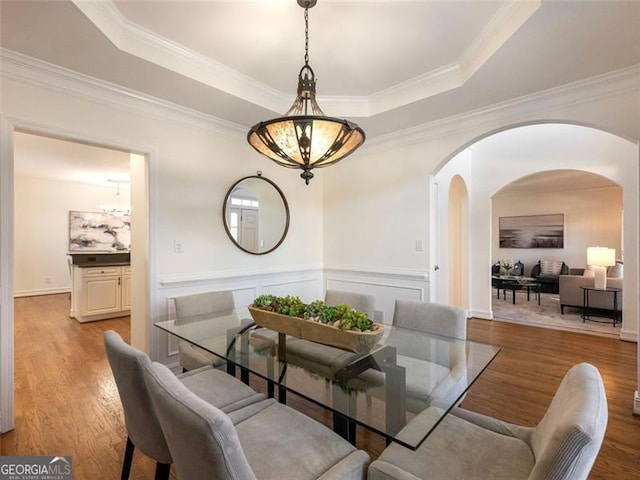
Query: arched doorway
x=590, y=209
x=498, y=158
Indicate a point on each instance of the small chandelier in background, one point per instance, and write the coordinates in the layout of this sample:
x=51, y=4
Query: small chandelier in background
x=118, y=183
x=304, y=137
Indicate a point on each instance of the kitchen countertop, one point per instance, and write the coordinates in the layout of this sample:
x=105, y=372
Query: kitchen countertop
x=83, y=260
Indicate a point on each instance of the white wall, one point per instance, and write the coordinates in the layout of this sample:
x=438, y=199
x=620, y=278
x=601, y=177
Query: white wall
x=41, y=231
x=592, y=217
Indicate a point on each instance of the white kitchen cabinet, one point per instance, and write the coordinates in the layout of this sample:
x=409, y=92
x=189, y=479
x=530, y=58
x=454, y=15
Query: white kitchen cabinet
x=125, y=297
x=100, y=292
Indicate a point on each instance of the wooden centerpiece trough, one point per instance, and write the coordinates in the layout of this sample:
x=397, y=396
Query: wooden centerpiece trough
x=352, y=340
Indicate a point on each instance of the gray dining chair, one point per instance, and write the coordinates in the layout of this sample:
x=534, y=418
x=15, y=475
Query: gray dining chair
x=436, y=373
x=143, y=429
x=276, y=442
x=360, y=301
x=433, y=318
x=563, y=446
x=195, y=307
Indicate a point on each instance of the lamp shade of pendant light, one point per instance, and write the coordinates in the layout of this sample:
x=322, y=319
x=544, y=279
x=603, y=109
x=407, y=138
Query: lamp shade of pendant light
x=305, y=138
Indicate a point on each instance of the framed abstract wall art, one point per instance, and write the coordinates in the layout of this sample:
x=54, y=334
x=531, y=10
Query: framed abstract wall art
x=532, y=231
x=99, y=232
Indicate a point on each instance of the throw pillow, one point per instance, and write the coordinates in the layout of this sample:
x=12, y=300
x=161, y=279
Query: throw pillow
x=590, y=271
x=615, y=271
x=505, y=266
x=550, y=267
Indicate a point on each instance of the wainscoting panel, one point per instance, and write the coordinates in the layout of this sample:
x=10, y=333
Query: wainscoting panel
x=385, y=287
x=307, y=284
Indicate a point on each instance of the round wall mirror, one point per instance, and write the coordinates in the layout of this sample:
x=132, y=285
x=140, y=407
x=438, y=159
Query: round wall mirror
x=256, y=214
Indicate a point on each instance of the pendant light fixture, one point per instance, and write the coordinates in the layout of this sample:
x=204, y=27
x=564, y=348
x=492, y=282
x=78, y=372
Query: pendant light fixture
x=305, y=138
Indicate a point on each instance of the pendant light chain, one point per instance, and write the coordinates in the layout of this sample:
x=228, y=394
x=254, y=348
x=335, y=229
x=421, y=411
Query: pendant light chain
x=306, y=36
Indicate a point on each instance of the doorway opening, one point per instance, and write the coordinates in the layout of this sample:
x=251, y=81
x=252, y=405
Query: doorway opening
x=492, y=161
x=139, y=166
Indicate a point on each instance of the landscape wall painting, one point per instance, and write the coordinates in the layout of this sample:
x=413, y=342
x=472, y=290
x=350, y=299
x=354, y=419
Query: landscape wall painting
x=532, y=231
x=99, y=232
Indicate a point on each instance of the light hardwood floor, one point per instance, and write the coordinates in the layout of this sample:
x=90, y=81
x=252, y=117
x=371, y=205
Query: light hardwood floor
x=67, y=402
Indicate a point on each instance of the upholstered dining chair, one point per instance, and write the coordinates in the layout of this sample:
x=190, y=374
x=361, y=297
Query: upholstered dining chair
x=563, y=446
x=360, y=301
x=143, y=429
x=442, y=378
x=433, y=318
x=276, y=442
x=194, y=307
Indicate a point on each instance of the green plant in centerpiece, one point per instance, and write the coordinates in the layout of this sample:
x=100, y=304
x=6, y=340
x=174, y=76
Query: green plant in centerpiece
x=354, y=319
x=265, y=301
x=292, y=306
x=341, y=316
x=314, y=310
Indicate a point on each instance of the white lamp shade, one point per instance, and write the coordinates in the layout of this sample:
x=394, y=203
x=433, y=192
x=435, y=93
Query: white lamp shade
x=601, y=256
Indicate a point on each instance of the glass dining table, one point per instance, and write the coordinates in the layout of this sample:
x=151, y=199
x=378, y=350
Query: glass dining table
x=383, y=390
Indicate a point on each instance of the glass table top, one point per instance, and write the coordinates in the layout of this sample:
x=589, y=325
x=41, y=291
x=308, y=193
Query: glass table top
x=405, y=373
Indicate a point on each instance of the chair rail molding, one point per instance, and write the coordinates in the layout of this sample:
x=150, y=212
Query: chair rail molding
x=385, y=284
x=203, y=278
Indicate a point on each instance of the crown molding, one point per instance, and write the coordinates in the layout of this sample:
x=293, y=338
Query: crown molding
x=507, y=20
x=36, y=72
x=131, y=38
x=33, y=71
x=520, y=109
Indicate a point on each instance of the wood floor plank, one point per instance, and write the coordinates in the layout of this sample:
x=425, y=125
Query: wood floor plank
x=67, y=402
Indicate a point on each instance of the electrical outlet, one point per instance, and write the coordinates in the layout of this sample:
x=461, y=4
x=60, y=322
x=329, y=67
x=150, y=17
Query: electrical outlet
x=47, y=280
x=177, y=246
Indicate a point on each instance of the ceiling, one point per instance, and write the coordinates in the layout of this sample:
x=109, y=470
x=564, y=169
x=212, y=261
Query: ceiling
x=555, y=181
x=63, y=161
x=387, y=65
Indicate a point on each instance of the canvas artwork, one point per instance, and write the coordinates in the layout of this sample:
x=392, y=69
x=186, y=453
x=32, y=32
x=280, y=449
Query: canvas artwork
x=532, y=231
x=99, y=232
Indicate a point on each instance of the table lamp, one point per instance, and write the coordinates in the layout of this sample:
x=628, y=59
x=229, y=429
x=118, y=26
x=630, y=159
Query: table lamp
x=601, y=258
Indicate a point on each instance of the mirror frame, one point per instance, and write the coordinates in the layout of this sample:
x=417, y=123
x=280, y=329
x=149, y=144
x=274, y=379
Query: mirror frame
x=286, y=208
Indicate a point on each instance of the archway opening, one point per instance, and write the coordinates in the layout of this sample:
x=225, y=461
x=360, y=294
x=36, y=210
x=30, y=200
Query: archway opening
x=498, y=158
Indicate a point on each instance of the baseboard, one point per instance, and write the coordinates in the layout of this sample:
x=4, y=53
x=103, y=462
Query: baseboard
x=43, y=291
x=482, y=314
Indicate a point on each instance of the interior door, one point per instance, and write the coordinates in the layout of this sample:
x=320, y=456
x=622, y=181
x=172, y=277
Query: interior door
x=249, y=225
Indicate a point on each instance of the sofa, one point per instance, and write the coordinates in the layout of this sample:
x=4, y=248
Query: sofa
x=547, y=273
x=571, y=295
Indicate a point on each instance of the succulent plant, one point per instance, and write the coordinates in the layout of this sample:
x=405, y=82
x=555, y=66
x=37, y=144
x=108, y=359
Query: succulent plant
x=314, y=310
x=264, y=301
x=341, y=316
x=292, y=306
